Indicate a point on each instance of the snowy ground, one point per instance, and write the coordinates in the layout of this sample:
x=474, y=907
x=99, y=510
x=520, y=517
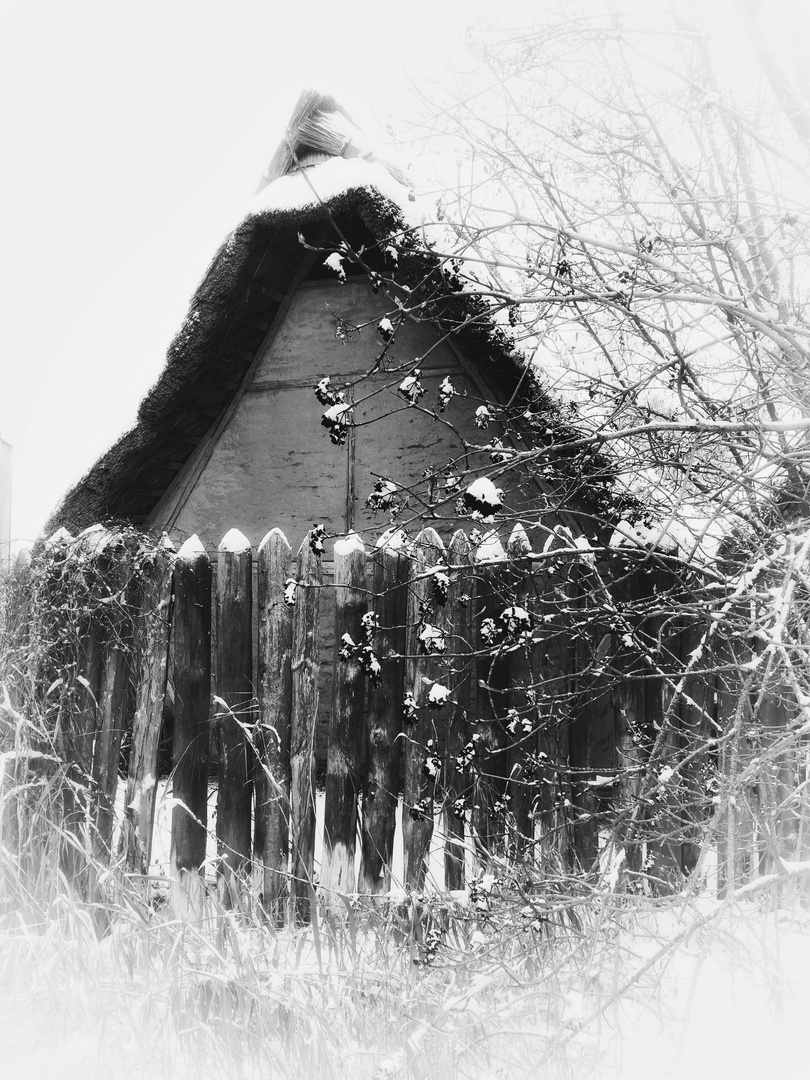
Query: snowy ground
x=162, y=836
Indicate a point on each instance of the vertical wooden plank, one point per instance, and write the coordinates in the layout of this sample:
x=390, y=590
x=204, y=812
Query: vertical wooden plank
x=344, y=755
x=81, y=727
x=303, y=720
x=272, y=829
x=384, y=718
x=522, y=723
x=234, y=673
x=115, y=697
x=490, y=762
x=638, y=696
x=554, y=677
x=778, y=773
x=191, y=668
x=461, y=620
x=697, y=718
x=150, y=683
x=592, y=714
x=427, y=644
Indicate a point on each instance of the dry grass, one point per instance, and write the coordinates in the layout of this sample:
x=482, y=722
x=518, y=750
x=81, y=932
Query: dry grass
x=98, y=977
x=120, y=987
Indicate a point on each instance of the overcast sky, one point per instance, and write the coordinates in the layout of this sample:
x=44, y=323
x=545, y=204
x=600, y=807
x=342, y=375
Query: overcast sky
x=133, y=135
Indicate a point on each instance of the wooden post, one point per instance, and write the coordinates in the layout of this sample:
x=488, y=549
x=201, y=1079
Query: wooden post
x=344, y=756
x=553, y=676
x=69, y=724
x=234, y=671
x=139, y=807
x=461, y=619
x=191, y=665
x=271, y=840
x=778, y=781
x=490, y=761
x=697, y=720
x=92, y=541
x=384, y=719
x=522, y=727
x=115, y=698
x=303, y=720
x=426, y=611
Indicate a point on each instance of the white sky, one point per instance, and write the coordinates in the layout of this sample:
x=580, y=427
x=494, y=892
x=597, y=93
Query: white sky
x=132, y=137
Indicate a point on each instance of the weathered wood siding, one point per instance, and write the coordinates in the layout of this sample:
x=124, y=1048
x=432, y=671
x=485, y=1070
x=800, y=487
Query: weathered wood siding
x=273, y=461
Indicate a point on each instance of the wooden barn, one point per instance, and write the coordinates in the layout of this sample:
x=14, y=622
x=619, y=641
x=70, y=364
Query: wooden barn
x=231, y=435
x=307, y=300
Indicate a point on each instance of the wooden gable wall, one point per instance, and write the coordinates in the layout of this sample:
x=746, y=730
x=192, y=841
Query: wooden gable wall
x=270, y=463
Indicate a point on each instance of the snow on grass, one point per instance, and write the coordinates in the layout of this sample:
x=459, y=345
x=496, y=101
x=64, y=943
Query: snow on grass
x=638, y=990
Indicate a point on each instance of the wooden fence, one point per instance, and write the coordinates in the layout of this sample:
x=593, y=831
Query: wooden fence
x=438, y=657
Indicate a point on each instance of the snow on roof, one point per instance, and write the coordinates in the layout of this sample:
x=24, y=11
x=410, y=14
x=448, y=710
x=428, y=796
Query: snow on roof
x=314, y=185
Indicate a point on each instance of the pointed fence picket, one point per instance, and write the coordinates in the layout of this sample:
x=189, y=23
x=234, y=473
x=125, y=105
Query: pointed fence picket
x=152, y=670
x=384, y=714
x=191, y=647
x=304, y=666
x=234, y=714
x=271, y=840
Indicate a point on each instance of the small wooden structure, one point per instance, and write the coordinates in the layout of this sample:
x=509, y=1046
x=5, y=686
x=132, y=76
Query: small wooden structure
x=231, y=434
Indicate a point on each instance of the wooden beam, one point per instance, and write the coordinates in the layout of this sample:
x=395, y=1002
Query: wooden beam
x=146, y=493
x=253, y=321
x=234, y=352
x=167, y=466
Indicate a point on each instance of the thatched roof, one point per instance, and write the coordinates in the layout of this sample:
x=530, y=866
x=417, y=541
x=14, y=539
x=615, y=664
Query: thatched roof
x=323, y=181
